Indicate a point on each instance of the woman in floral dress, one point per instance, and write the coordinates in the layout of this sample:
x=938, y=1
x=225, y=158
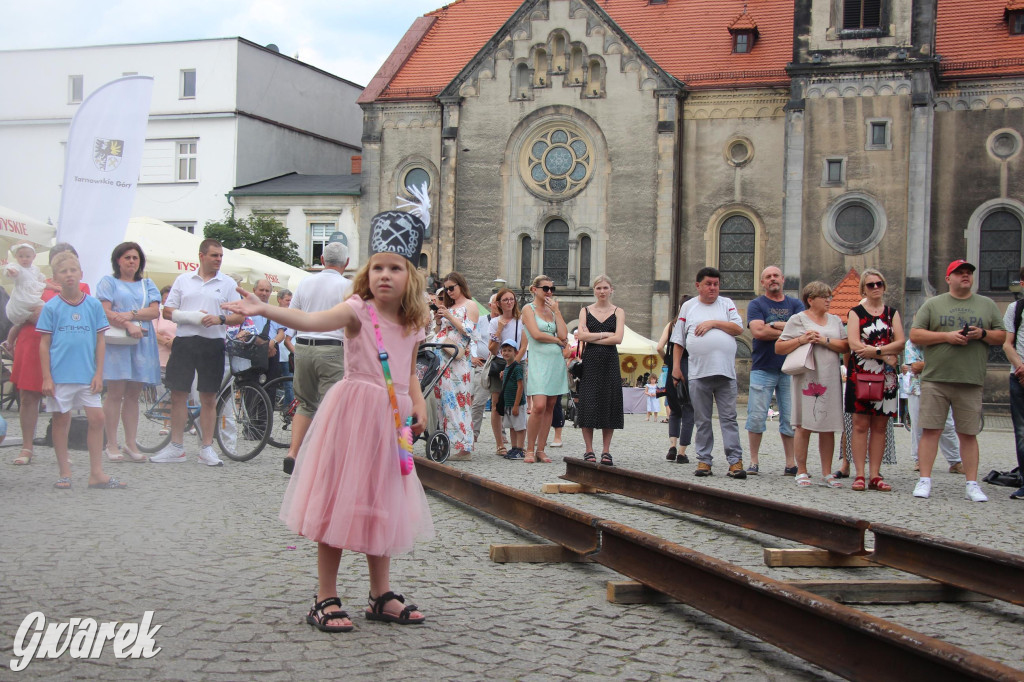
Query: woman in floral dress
x=818, y=402
x=456, y=318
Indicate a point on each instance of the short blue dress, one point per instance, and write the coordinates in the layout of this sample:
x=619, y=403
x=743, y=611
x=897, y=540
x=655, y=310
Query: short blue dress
x=546, y=373
x=141, y=362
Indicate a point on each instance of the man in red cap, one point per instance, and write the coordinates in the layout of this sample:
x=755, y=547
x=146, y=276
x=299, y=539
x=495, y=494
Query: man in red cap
x=955, y=331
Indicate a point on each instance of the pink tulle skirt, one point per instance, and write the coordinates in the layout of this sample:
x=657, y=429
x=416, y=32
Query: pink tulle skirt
x=347, y=490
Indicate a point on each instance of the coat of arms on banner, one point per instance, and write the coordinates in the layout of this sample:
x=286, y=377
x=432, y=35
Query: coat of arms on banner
x=106, y=154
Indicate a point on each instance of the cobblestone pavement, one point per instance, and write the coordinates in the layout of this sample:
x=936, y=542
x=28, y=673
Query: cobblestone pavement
x=230, y=586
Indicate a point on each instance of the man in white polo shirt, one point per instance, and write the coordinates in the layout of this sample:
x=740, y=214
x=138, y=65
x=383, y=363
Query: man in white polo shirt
x=194, y=305
x=319, y=356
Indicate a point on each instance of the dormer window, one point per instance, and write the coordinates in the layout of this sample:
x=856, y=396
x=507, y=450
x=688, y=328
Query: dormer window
x=744, y=33
x=1014, y=16
x=742, y=41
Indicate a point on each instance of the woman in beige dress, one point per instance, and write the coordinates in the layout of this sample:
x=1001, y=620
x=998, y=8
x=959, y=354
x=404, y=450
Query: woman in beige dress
x=818, y=393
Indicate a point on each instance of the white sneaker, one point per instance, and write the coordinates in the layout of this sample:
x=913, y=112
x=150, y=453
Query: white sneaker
x=923, y=487
x=208, y=457
x=974, y=493
x=170, y=453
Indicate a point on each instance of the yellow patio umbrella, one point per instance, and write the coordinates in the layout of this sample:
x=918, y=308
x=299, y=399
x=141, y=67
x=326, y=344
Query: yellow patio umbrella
x=171, y=251
x=260, y=266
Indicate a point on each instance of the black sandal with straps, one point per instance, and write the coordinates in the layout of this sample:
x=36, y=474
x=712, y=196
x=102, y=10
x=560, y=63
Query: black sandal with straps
x=318, y=618
x=590, y=457
x=377, y=611
x=606, y=459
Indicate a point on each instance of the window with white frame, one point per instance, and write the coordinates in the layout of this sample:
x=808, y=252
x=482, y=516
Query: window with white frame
x=187, y=88
x=76, y=86
x=319, y=234
x=186, y=161
x=184, y=225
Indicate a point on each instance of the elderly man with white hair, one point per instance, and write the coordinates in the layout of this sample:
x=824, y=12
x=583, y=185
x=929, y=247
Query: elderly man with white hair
x=319, y=356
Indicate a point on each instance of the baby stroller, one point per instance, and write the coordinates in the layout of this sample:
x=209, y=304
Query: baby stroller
x=431, y=363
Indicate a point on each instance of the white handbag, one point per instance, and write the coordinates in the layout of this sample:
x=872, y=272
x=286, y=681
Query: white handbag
x=800, y=360
x=116, y=336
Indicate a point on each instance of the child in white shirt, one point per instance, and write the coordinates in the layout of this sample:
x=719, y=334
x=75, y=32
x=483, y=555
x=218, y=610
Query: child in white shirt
x=27, y=297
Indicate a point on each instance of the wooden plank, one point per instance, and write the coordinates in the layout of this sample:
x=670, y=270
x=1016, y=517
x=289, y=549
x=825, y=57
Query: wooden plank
x=887, y=591
x=813, y=557
x=632, y=592
x=570, y=488
x=542, y=553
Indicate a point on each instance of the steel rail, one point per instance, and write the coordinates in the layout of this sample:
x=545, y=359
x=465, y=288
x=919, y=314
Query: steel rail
x=838, y=638
x=979, y=569
x=836, y=533
x=835, y=637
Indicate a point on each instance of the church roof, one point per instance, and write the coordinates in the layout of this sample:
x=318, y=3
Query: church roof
x=845, y=295
x=974, y=39
x=697, y=51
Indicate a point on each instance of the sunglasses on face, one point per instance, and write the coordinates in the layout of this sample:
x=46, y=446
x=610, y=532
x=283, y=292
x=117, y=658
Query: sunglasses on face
x=546, y=289
x=451, y=288
x=875, y=285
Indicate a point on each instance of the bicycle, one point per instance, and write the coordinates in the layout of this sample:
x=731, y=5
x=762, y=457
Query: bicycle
x=242, y=428
x=280, y=435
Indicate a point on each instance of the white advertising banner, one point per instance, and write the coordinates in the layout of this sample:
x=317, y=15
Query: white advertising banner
x=101, y=170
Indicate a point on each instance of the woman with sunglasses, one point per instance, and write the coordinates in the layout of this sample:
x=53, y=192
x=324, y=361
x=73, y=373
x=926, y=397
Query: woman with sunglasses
x=456, y=318
x=874, y=332
x=546, y=379
x=505, y=326
x=600, y=391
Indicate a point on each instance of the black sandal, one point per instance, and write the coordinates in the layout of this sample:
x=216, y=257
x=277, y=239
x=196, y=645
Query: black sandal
x=606, y=459
x=590, y=457
x=377, y=612
x=318, y=618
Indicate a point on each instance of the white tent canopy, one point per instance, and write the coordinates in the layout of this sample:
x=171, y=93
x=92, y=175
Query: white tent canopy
x=16, y=228
x=635, y=344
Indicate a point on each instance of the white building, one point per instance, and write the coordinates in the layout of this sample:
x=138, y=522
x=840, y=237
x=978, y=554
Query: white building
x=225, y=113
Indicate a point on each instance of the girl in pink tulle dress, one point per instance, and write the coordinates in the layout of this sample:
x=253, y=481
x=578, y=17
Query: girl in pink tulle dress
x=347, y=490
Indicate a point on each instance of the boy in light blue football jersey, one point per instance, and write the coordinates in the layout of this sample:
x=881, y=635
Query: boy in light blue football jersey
x=71, y=353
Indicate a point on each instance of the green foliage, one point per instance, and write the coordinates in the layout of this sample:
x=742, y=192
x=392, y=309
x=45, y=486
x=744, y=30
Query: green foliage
x=259, y=233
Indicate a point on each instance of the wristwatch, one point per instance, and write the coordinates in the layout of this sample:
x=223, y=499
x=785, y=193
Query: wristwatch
x=878, y=352
x=223, y=320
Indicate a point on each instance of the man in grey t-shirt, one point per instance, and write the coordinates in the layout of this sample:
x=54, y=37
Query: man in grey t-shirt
x=707, y=327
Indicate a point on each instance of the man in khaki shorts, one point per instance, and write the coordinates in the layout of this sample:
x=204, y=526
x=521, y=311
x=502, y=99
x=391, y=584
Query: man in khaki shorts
x=319, y=356
x=955, y=331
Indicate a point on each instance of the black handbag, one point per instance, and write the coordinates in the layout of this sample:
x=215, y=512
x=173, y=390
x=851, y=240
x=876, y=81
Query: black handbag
x=78, y=434
x=1010, y=479
x=496, y=367
x=683, y=393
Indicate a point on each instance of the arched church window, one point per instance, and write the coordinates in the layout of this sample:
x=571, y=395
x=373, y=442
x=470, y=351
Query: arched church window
x=556, y=251
x=999, y=251
x=525, y=262
x=736, y=253
x=584, y=253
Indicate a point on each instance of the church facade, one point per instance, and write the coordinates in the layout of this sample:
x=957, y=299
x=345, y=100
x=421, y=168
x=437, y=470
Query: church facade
x=646, y=139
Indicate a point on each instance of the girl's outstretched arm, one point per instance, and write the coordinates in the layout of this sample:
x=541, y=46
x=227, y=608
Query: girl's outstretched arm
x=340, y=316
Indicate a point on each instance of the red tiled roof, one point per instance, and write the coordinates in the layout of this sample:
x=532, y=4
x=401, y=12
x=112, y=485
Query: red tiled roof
x=1013, y=5
x=690, y=40
x=974, y=40
x=845, y=295
x=744, y=22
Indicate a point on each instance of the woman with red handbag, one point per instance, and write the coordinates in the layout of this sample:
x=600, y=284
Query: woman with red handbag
x=874, y=331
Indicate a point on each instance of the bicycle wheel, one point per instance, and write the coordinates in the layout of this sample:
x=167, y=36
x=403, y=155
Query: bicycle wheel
x=154, y=420
x=243, y=421
x=438, y=447
x=281, y=427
